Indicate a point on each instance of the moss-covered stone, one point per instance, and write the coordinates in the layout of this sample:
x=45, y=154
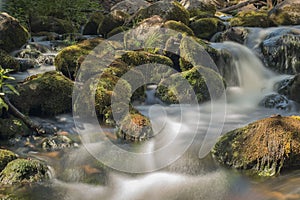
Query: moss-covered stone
x=6, y=156
x=11, y=126
x=51, y=24
x=199, y=9
x=109, y=22
x=45, y=94
x=8, y=62
x=130, y=6
x=263, y=148
x=252, y=19
x=205, y=28
x=69, y=59
x=23, y=171
x=178, y=26
x=91, y=27
x=12, y=34
x=117, y=30
x=167, y=10
x=286, y=13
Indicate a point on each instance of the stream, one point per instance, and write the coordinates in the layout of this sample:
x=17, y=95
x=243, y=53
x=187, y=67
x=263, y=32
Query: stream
x=188, y=177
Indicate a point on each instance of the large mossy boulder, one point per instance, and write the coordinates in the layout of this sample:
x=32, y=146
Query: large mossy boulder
x=198, y=8
x=130, y=6
x=45, y=94
x=91, y=27
x=179, y=27
x=262, y=148
x=6, y=156
x=8, y=62
x=12, y=34
x=205, y=28
x=68, y=60
x=11, y=127
x=167, y=10
x=252, y=19
x=286, y=13
x=51, y=24
x=23, y=171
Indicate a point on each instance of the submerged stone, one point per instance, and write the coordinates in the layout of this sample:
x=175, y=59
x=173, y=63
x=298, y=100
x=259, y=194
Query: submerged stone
x=262, y=148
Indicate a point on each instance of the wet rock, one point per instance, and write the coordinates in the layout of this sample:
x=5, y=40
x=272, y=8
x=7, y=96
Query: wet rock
x=295, y=88
x=23, y=171
x=130, y=6
x=167, y=10
x=8, y=62
x=51, y=24
x=235, y=34
x=57, y=142
x=262, y=148
x=286, y=13
x=280, y=53
x=251, y=19
x=6, y=156
x=91, y=26
x=276, y=101
x=45, y=94
x=11, y=127
x=12, y=34
x=205, y=28
x=68, y=60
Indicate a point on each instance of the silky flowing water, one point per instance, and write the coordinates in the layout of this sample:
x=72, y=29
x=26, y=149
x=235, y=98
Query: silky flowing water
x=189, y=177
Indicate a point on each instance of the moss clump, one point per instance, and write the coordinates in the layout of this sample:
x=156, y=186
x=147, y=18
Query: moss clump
x=69, y=59
x=51, y=24
x=263, y=148
x=8, y=62
x=166, y=10
x=12, y=34
x=117, y=30
x=10, y=127
x=252, y=19
x=45, y=94
x=205, y=28
x=22, y=171
x=6, y=156
x=91, y=26
x=178, y=26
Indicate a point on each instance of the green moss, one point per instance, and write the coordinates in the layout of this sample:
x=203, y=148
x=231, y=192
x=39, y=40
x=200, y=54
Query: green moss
x=178, y=26
x=252, y=19
x=6, y=156
x=51, y=24
x=69, y=59
x=94, y=21
x=117, y=30
x=262, y=148
x=22, y=171
x=45, y=94
x=204, y=11
x=205, y=28
x=11, y=126
x=8, y=62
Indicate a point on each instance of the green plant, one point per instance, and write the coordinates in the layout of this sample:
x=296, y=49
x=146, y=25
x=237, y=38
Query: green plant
x=5, y=88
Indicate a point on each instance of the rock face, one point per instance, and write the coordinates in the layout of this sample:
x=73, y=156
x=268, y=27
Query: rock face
x=286, y=13
x=22, y=171
x=263, y=148
x=12, y=34
x=44, y=95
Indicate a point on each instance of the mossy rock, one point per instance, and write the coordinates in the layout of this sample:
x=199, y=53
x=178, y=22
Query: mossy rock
x=179, y=27
x=130, y=6
x=91, y=27
x=51, y=24
x=109, y=22
x=199, y=9
x=11, y=126
x=6, y=156
x=262, y=148
x=45, y=94
x=205, y=28
x=68, y=60
x=23, y=171
x=167, y=10
x=190, y=86
x=286, y=13
x=252, y=19
x=8, y=62
x=117, y=30
x=12, y=34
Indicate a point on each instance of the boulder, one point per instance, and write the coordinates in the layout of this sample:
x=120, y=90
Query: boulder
x=179, y=27
x=45, y=94
x=286, y=13
x=91, y=27
x=6, y=156
x=12, y=34
x=199, y=8
x=130, y=6
x=276, y=101
x=252, y=19
x=8, y=62
x=109, y=22
x=23, y=171
x=264, y=147
x=51, y=24
x=205, y=28
x=11, y=127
